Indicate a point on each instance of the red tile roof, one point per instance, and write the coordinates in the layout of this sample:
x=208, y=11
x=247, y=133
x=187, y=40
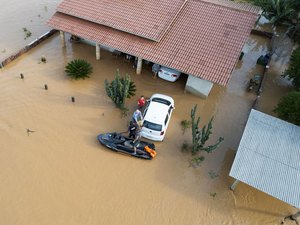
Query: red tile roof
x=204, y=40
x=149, y=19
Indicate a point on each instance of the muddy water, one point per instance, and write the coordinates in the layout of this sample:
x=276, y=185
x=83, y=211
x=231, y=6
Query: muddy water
x=276, y=86
x=16, y=15
x=59, y=174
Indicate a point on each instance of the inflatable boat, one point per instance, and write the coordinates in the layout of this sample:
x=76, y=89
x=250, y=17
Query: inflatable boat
x=120, y=143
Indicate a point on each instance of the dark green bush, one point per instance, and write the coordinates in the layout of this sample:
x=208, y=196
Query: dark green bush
x=288, y=107
x=78, y=69
x=293, y=71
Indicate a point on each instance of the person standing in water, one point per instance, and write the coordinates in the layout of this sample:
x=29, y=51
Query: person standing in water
x=141, y=102
x=137, y=116
x=155, y=69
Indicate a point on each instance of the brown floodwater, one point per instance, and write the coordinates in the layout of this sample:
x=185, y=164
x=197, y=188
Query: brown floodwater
x=15, y=15
x=60, y=174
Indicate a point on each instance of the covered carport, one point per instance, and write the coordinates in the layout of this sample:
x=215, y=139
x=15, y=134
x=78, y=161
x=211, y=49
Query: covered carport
x=200, y=38
x=268, y=158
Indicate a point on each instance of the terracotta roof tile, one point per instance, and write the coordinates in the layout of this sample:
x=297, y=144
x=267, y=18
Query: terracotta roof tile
x=204, y=40
x=149, y=19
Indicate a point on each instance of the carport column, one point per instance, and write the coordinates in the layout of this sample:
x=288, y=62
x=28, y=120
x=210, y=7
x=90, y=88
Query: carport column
x=97, y=51
x=233, y=186
x=139, y=65
x=62, y=38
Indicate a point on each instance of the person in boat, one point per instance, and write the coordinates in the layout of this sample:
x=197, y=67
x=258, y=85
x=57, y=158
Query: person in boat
x=137, y=116
x=137, y=139
x=132, y=129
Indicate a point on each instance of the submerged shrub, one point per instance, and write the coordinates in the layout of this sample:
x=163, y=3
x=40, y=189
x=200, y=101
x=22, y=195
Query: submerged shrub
x=288, y=107
x=185, y=124
x=293, y=71
x=119, y=89
x=78, y=69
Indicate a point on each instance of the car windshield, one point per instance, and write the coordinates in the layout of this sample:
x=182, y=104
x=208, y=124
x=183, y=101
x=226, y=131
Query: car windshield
x=160, y=100
x=152, y=126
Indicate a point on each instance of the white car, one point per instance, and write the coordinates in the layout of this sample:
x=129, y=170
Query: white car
x=157, y=116
x=168, y=74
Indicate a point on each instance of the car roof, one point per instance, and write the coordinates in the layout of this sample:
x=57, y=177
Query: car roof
x=169, y=70
x=156, y=112
x=162, y=96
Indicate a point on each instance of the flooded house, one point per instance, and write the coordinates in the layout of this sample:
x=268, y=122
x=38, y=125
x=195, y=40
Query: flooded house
x=202, y=39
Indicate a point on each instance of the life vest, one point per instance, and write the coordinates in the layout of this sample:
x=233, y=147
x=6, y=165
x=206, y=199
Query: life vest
x=151, y=151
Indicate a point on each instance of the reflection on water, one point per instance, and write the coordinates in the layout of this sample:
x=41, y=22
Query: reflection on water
x=276, y=86
x=60, y=174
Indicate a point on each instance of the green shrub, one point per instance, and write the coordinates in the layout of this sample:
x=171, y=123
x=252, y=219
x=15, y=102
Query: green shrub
x=288, y=108
x=78, y=69
x=120, y=89
x=185, y=124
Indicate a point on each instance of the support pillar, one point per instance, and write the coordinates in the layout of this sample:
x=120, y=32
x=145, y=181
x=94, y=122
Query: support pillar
x=233, y=186
x=139, y=65
x=62, y=39
x=98, y=55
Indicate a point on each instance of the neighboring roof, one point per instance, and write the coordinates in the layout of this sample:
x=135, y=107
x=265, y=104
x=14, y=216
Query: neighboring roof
x=205, y=39
x=149, y=19
x=268, y=157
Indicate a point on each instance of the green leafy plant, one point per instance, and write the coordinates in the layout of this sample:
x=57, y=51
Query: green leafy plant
x=78, y=69
x=185, y=124
x=277, y=11
x=293, y=71
x=200, y=136
x=212, y=174
x=120, y=89
x=285, y=13
x=196, y=161
x=185, y=147
x=288, y=108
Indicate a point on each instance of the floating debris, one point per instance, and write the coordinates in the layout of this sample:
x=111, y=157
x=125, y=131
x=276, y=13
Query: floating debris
x=29, y=131
x=43, y=59
x=212, y=174
x=213, y=194
x=27, y=33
